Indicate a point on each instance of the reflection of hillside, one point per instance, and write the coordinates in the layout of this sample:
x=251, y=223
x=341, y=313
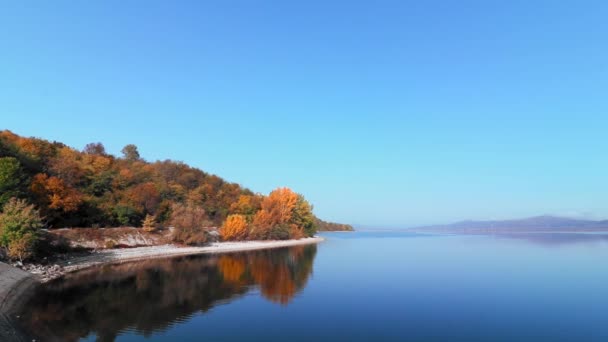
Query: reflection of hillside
x=279, y=278
x=150, y=296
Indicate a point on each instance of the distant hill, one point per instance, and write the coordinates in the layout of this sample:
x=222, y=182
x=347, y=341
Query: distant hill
x=324, y=226
x=531, y=224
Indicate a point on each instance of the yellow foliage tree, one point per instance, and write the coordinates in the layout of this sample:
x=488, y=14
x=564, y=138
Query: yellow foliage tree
x=234, y=228
x=273, y=219
x=149, y=223
x=280, y=204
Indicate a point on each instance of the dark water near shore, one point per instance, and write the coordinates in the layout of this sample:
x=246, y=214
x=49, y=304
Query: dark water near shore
x=355, y=286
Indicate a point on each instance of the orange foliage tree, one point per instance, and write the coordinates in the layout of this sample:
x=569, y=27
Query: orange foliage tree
x=56, y=193
x=234, y=228
x=144, y=197
x=271, y=221
x=284, y=214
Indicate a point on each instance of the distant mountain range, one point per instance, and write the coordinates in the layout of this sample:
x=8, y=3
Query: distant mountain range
x=532, y=224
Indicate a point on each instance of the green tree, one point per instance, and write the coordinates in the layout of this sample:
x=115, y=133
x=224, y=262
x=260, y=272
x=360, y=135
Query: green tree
x=19, y=228
x=303, y=217
x=130, y=152
x=12, y=179
x=126, y=215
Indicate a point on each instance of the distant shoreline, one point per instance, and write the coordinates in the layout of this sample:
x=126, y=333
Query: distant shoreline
x=545, y=223
x=481, y=231
x=111, y=256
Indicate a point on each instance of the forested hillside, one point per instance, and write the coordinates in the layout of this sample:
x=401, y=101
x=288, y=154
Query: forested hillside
x=91, y=188
x=325, y=226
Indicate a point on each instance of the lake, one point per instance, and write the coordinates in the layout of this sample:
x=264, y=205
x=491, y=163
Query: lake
x=362, y=286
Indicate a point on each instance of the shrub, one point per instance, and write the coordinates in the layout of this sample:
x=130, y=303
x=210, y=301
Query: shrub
x=189, y=224
x=22, y=248
x=149, y=224
x=280, y=232
x=19, y=229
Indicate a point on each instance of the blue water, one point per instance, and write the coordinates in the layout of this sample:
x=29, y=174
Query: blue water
x=362, y=286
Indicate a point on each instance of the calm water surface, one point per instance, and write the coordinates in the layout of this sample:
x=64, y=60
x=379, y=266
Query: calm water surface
x=354, y=286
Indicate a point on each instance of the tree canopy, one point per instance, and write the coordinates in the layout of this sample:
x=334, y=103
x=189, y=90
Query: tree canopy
x=91, y=188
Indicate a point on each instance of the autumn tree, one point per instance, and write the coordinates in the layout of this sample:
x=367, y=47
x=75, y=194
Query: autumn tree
x=149, y=223
x=144, y=197
x=271, y=221
x=302, y=218
x=56, y=193
x=19, y=228
x=234, y=228
x=189, y=224
x=66, y=165
x=130, y=153
x=283, y=215
x=31, y=152
x=95, y=148
x=246, y=205
x=135, y=203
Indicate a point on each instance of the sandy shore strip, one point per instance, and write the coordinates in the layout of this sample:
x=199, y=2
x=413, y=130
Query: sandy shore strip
x=140, y=253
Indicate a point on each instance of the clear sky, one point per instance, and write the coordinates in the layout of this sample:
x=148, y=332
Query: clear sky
x=381, y=113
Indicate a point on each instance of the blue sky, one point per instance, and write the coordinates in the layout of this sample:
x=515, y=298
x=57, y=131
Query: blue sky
x=382, y=113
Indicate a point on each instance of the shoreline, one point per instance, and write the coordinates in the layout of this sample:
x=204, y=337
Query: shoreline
x=114, y=256
x=16, y=284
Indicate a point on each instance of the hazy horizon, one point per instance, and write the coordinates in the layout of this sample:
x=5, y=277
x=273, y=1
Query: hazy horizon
x=383, y=114
x=438, y=223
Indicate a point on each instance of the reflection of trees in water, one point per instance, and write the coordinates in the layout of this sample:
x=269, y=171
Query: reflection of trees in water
x=150, y=296
x=279, y=277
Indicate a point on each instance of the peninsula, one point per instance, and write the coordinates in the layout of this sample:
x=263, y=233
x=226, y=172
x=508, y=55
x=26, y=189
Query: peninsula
x=60, y=203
